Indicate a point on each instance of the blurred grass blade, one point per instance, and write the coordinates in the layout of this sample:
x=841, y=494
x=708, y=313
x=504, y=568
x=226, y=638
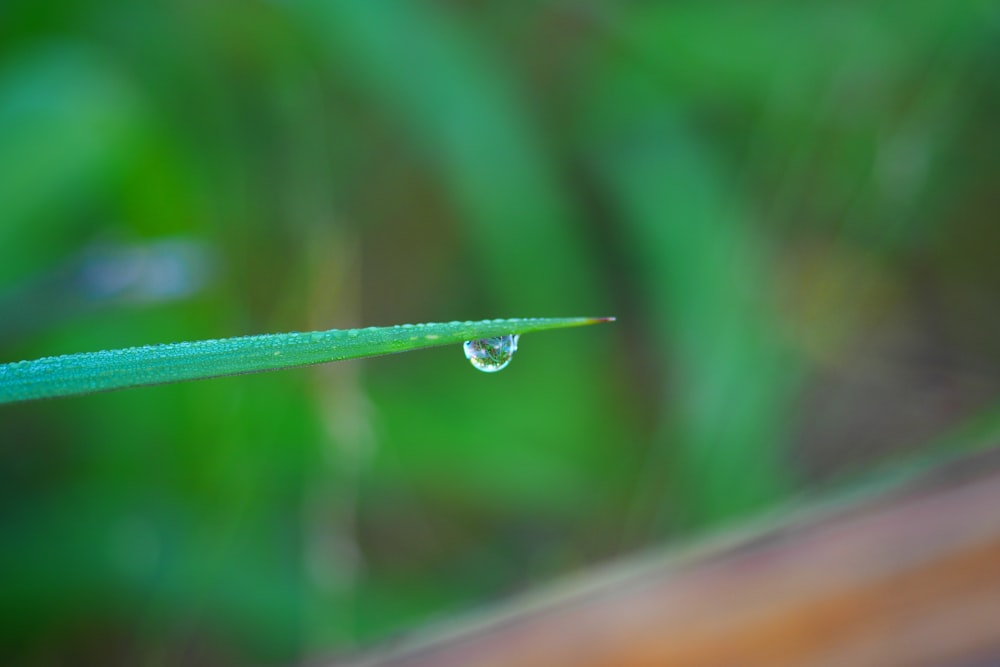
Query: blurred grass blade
x=465, y=105
x=66, y=120
x=90, y=372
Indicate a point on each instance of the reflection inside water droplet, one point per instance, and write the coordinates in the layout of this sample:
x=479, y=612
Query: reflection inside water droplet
x=491, y=354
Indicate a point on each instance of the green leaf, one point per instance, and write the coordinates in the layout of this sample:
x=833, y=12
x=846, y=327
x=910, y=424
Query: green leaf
x=90, y=372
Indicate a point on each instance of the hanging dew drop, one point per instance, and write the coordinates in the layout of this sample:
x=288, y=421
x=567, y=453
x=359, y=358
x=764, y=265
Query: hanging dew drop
x=491, y=354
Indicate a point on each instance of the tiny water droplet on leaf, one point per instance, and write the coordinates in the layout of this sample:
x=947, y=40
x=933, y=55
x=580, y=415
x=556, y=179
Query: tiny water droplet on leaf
x=491, y=354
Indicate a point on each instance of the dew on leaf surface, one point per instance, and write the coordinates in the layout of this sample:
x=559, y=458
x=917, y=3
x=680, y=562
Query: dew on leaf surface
x=491, y=354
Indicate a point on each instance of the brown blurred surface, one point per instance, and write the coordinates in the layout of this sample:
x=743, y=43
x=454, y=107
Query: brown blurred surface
x=906, y=576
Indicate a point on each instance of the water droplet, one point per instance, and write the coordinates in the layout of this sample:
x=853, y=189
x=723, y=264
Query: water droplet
x=491, y=354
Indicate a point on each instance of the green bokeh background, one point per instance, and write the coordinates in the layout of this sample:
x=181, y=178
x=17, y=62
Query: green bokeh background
x=791, y=207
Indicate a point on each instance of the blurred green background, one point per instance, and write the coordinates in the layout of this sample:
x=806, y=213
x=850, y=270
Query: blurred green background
x=791, y=207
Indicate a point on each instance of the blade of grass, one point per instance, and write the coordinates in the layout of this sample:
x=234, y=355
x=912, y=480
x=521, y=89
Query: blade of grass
x=90, y=372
